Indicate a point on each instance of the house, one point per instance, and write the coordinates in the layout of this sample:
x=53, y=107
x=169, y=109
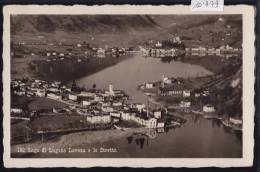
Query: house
x=86, y=102
x=208, y=108
x=187, y=49
x=160, y=124
x=54, y=96
x=107, y=109
x=140, y=106
x=173, y=90
x=103, y=118
x=115, y=114
x=157, y=114
x=235, y=121
x=81, y=112
x=40, y=93
x=101, y=53
x=125, y=115
x=98, y=98
x=19, y=93
x=73, y=97
x=86, y=94
x=195, y=49
x=186, y=93
x=158, y=44
x=117, y=103
x=149, y=85
x=16, y=110
x=53, y=89
x=197, y=95
x=151, y=123
x=166, y=80
x=185, y=104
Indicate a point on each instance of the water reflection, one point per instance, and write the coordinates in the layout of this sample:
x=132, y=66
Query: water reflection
x=142, y=139
x=139, y=139
x=216, y=123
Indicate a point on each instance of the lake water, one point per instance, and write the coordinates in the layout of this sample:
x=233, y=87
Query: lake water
x=198, y=137
x=130, y=73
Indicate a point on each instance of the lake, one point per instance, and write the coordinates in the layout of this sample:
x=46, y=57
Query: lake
x=198, y=137
x=131, y=72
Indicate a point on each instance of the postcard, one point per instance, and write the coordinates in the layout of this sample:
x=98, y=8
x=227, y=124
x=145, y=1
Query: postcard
x=128, y=86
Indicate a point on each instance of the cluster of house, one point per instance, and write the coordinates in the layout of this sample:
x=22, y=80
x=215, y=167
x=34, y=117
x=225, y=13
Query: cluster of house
x=164, y=48
x=98, y=106
x=159, y=52
x=202, y=51
x=90, y=52
x=178, y=88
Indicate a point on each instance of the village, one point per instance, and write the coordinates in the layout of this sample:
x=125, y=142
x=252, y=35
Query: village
x=175, y=47
x=189, y=96
x=103, y=109
x=63, y=51
x=98, y=107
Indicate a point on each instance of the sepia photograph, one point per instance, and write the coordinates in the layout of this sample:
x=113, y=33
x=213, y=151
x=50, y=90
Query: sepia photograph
x=105, y=85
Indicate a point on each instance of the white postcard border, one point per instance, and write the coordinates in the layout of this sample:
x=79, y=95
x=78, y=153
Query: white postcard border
x=248, y=89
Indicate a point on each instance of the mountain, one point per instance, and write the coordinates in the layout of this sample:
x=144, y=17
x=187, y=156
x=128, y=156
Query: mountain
x=80, y=23
x=205, y=30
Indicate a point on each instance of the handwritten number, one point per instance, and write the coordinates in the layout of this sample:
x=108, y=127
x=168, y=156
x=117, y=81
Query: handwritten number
x=206, y=3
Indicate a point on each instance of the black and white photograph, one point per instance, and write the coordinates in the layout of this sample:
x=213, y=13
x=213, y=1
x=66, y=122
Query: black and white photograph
x=129, y=85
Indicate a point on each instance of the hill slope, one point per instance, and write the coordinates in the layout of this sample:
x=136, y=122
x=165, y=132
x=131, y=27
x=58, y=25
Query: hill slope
x=134, y=29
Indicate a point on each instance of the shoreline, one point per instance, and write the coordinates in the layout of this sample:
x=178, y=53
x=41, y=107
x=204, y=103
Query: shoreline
x=75, y=139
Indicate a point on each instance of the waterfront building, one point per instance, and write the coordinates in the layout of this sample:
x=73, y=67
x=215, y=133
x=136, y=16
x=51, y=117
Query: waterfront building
x=149, y=85
x=160, y=123
x=151, y=123
x=101, y=53
x=175, y=89
x=208, y=108
x=235, y=121
x=16, y=110
x=118, y=103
